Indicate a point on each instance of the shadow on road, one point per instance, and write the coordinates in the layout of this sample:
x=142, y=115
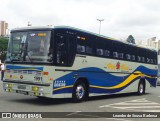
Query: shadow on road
x=59, y=101
x=44, y=101
x=104, y=97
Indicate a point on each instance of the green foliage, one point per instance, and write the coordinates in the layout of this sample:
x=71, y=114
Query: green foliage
x=131, y=39
x=3, y=47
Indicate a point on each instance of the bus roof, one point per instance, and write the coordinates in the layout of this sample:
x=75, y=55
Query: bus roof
x=99, y=35
x=68, y=27
x=31, y=28
x=73, y=28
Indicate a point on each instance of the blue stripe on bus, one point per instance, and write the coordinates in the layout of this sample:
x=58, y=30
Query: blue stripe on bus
x=24, y=68
x=103, y=80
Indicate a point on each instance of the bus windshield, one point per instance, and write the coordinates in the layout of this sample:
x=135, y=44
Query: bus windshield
x=29, y=46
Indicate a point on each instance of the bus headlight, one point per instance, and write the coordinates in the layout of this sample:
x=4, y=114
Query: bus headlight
x=5, y=85
x=9, y=90
x=40, y=94
x=40, y=89
x=34, y=88
x=37, y=89
x=9, y=85
x=35, y=93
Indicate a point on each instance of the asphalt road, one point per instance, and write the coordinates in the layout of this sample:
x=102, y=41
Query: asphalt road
x=150, y=102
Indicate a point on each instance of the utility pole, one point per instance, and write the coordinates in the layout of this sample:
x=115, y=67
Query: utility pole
x=100, y=20
x=29, y=24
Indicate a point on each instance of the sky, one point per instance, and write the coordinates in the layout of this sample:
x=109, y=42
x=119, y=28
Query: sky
x=140, y=18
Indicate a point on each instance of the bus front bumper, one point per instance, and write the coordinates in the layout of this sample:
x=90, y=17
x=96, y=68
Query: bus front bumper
x=28, y=88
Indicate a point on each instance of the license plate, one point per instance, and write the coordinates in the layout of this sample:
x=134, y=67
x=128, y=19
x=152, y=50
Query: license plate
x=21, y=87
x=22, y=92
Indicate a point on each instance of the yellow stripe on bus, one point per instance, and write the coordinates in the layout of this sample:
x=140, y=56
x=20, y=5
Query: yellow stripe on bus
x=124, y=83
x=63, y=87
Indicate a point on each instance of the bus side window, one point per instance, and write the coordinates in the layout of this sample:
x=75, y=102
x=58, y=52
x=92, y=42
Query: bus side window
x=143, y=59
x=88, y=50
x=106, y=53
x=128, y=56
x=133, y=57
x=155, y=57
x=118, y=50
x=155, y=61
x=80, y=49
x=138, y=58
x=100, y=52
x=115, y=54
x=148, y=60
x=120, y=55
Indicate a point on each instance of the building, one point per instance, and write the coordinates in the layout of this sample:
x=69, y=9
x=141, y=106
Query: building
x=3, y=28
x=151, y=43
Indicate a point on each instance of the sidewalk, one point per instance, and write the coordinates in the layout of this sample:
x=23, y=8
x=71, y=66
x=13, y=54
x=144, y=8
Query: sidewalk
x=0, y=79
x=1, y=86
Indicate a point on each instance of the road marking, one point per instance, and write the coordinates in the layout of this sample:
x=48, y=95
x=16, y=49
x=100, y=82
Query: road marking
x=150, y=110
x=73, y=113
x=136, y=105
x=124, y=103
x=127, y=102
x=139, y=100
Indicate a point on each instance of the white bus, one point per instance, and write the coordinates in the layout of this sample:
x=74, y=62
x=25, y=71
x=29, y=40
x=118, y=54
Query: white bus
x=65, y=62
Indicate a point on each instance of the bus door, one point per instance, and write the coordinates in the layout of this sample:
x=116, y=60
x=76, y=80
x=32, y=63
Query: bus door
x=65, y=50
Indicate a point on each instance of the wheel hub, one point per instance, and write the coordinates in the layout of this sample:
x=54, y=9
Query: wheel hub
x=141, y=88
x=80, y=92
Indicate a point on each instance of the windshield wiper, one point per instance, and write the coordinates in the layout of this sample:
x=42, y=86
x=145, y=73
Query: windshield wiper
x=13, y=60
x=13, y=57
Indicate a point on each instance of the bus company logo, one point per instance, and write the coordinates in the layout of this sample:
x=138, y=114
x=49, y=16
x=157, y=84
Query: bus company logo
x=118, y=65
x=21, y=77
x=6, y=115
x=59, y=83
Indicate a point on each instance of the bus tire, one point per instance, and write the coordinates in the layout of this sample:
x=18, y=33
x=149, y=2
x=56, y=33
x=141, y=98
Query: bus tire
x=141, y=87
x=79, y=92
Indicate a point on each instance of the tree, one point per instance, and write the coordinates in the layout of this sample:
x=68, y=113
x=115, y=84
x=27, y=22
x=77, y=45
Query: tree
x=131, y=39
x=3, y=47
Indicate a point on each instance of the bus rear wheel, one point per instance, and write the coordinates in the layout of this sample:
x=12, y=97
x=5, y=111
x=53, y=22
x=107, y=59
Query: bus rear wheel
x=141, y=88
x=79, y=92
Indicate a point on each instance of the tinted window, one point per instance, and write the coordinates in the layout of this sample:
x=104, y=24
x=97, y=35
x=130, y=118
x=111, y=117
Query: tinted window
x=80, y=48
x=128, y=56
x=100, y=52
x=65, y=49
x=61, y=48
x=115, y=54
x=102, y=47
x=84, y=44
x=106, y=53
x=118, y=50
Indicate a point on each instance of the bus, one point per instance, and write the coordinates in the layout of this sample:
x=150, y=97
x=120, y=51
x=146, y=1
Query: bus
x=66, y=62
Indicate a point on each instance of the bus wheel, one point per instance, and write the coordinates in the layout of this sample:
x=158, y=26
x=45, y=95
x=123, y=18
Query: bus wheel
x=79, y=92
x=141, y=88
